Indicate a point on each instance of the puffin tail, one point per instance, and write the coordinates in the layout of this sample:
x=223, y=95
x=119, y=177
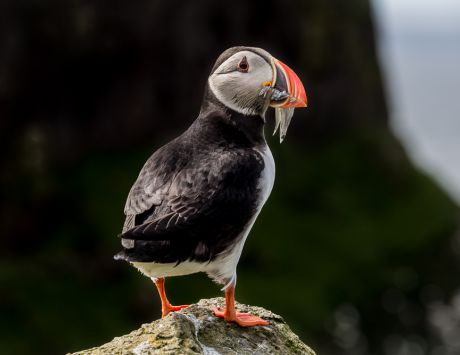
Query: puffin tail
x=128, y=246
x=121, y=256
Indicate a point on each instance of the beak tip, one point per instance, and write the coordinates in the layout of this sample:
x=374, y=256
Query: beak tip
x=296, y=89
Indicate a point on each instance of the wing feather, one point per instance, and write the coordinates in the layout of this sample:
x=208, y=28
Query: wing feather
x=187, y=196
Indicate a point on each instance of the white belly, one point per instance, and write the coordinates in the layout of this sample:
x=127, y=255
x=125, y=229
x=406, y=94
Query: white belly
x=157, y=270
x=223, y=267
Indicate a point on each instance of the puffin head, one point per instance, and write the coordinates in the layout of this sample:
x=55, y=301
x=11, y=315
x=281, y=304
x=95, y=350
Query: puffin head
x=248, y=80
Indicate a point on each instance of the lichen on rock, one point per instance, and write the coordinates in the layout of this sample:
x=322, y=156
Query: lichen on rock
x=196, y=330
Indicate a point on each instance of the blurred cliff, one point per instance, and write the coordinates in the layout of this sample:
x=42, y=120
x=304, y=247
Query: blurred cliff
x=355, y=248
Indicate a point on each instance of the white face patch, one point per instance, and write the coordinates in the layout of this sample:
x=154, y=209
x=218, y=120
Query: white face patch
x=240, y=90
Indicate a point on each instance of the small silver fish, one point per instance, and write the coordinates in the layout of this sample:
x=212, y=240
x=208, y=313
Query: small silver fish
x=283, y=119
x=283, y=116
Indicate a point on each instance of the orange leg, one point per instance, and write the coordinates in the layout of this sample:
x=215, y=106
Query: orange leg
x=230, y=314
x=166, y=307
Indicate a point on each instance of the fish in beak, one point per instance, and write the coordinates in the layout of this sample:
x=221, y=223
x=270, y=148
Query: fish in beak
x=286, y=94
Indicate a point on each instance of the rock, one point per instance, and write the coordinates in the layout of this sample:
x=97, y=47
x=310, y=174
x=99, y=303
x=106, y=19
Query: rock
x=196, y=330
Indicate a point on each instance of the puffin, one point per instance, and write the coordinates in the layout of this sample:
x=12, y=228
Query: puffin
x=197, y=197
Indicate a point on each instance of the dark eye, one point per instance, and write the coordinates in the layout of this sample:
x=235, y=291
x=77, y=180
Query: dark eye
x=243, y=65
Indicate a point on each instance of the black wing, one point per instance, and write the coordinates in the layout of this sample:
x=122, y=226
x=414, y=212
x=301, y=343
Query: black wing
x=190, y=204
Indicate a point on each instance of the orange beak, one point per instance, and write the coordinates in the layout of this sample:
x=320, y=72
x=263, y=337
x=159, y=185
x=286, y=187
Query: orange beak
x=285, y=79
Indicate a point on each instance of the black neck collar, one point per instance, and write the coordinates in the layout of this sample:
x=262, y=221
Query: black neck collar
x=249, y=126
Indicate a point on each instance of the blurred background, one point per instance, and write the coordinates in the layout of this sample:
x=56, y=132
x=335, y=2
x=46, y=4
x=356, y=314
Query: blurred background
x=358, y=246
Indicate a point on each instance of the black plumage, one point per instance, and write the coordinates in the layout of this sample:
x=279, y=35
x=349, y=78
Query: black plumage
x=195, y=195
x=196, y=198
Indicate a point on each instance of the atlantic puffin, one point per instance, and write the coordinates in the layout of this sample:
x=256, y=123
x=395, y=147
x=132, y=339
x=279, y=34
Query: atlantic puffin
x=197, y=197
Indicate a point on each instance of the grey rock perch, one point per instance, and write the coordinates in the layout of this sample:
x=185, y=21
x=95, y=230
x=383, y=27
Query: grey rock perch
x=196, y=330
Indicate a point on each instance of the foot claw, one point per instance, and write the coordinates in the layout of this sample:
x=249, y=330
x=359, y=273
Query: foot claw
x=178, y=308
x=218, y=312
x=242, y=319
x=170, y=309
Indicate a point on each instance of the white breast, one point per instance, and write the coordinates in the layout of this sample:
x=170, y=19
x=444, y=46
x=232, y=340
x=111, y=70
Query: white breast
x=268, y=175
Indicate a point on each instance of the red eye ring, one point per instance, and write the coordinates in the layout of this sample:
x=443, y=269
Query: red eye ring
x=243, y=65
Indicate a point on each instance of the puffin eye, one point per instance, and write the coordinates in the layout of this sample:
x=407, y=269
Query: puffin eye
x=243, y=65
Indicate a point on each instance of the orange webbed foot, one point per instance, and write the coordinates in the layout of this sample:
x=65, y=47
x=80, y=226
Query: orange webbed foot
x=242, y=319
x=165, y=311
